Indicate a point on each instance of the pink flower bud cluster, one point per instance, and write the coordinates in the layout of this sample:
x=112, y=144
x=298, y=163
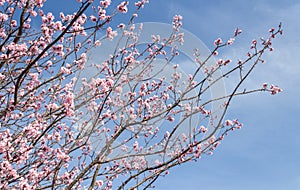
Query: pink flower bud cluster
x=177, y=22
x=273, y=89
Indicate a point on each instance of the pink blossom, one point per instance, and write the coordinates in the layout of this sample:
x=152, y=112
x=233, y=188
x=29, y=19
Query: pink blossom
x=202, y=129
x=118, y=89
x=24, y=184
x=226, y=62
x=228, y=123
x=110, y=33
x=177, y=22
x=64, y=70
x=61, y=155
x=3, y=17
x=180, y=38
x=69, y=103
x=80, y=63
x=265, y=85
x=99, y=183
x=107, y=114
x=14, y=23
x=275, y=89
x=34, y=76
x=39, y=3
x=155, y=38
x=177, y=18
x=171, y=119
x=167, y=134
x=97, y=43
x=121, y=25
x=93, y=18
x=2, y=77
x=105, y=3
x=135, y=145
x=52, y=106
x=184, y=137
x=141, y=3
x=122, y=7
x=220, y=62
x=50, y=16
x=237, y=32
x=211, y=140
x=230, y=41
x=58, y=49
x=3, y=34
x=218, y=42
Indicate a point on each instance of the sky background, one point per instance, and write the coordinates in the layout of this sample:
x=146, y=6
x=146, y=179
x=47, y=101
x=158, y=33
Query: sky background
x=265, y=153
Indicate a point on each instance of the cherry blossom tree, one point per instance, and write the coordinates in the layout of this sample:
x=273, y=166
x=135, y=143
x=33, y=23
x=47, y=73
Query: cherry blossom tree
x=72, y=117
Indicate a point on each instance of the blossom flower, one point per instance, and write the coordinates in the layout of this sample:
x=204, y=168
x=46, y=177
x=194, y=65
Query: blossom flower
x=64, y=70
x=265, y=85
x=80, y=63
x=2, y=77
x=237, y=32
x=93, y=18
x=177, y=22
x=99, y=183
x=3, y=17
x=275, y=89
x=105, y=3
x=218, y=42
x=230, y=41
x=135, y=145
x=58, y=49
x=171, y=119
x=228, y=123
x=110, y=33
x=122, y=7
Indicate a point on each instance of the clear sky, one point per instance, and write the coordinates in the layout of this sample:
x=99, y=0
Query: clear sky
x=265, y=153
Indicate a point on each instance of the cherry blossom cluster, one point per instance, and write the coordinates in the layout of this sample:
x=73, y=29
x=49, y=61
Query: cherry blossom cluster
x=273, y=89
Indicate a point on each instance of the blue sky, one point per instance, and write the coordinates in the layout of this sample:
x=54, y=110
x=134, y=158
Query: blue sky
x=265, y=153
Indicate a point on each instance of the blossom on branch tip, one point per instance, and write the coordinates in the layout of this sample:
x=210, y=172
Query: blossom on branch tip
x=110, y=33
x=230, y=41
x=202, y=129
x=121, y=25
x=265, y=85
x=141, y=3
x=228, y=122
x=171, y=119
x=99, y=183
x=177, y=22
x=93, y=18
x=58, y=49
x=275, y=89
x=105, y=3
x=122, y=7
x=226, y=62
x=3, y=17
x=218, y=42
x=237, y=32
